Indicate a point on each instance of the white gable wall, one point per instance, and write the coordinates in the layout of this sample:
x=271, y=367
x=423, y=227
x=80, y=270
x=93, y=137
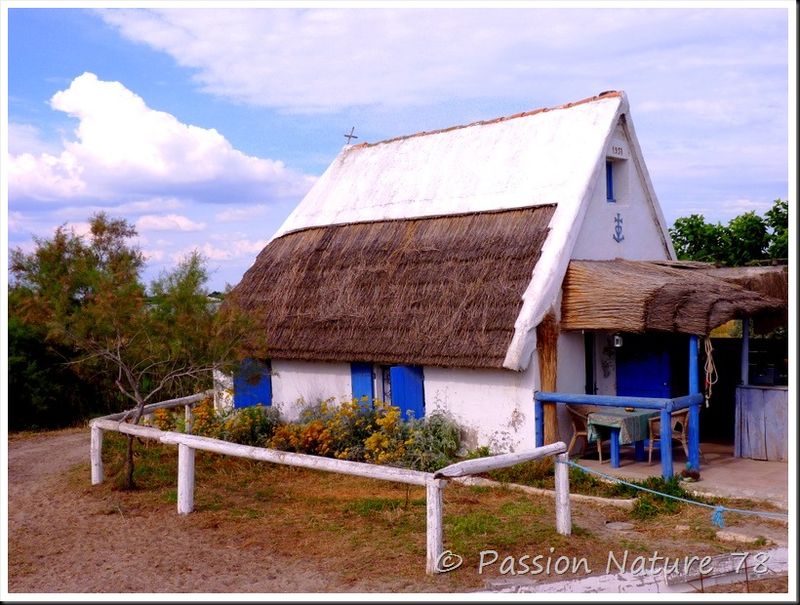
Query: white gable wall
x=643, y=235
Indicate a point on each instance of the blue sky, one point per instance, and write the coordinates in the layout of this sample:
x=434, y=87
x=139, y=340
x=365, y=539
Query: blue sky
x=204, y=128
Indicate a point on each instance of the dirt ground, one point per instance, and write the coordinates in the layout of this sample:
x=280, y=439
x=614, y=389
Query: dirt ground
x=64, y=538
x=58, y=544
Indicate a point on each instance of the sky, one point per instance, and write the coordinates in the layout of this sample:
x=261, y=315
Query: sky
x=204, y=128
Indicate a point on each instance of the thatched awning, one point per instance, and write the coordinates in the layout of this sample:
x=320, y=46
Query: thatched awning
x=638, y=296
x=440, y=291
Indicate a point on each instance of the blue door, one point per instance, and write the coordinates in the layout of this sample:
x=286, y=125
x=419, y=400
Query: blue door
x=252, y=384
x=643, y=367
x=407, y=390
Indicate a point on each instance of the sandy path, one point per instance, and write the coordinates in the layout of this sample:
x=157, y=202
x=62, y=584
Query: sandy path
x=62, y=540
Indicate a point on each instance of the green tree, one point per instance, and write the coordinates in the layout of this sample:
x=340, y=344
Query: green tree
x=746, y=238
x=88, y=295
x=777, y=219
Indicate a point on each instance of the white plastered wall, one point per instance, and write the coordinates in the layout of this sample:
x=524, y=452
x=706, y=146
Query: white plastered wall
x=296, y=384
x=571, y=376
x=494, y=407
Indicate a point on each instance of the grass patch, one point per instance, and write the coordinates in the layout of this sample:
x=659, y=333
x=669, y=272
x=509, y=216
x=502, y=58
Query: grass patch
x=346, y=524
x=367, y=507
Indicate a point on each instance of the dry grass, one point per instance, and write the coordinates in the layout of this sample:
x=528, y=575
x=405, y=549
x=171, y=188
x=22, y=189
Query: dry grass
x=370, y=535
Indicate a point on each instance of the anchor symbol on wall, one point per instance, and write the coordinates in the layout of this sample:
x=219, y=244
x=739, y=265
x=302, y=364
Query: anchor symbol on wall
x=618, y=237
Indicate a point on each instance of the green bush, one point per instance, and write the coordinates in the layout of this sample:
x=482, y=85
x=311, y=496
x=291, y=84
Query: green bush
x=432, y=443
x=251, y=425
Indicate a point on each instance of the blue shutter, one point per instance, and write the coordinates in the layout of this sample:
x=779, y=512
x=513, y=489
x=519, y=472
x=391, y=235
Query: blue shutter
x=252, y=384
x=363, y=385
x=407, y=390
x=610, y=181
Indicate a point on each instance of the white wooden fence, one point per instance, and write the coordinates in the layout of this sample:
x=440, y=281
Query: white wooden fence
x=434, y=483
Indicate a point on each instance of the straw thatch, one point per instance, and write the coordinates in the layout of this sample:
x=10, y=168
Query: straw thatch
x=440, y=291
x=637, y=296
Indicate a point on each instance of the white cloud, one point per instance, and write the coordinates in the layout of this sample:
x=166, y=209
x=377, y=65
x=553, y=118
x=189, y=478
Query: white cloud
x=235, y=215
x=82, y=228
x=330, y=59
x=153, y=255
x=157, y=204
x=24, y=138
x=15, y=221
x=167, y=222
x=233, y=250
x=126, y=150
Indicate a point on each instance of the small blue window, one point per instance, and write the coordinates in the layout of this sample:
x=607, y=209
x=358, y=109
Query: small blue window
x=610, y=181
x=252, y=384
x=363, y=384
x=408, y=393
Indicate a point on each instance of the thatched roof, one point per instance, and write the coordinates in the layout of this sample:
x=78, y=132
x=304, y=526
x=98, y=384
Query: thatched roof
x=638, y=296
x=442, y=291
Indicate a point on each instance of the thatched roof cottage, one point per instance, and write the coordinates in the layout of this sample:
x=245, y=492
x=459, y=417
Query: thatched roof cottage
x=465, y=268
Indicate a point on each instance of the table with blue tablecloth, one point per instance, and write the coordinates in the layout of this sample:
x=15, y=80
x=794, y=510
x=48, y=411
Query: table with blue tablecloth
x=623, y=426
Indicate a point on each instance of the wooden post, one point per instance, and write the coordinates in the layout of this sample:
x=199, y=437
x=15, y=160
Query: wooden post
x=563, y=512
x=538, y=412
x=96, y=455
x=188, y=417
x=435, y=491
x=547, y=352
x=694, y=409
x=746, y=351
x=666, y=444
x=185, y=479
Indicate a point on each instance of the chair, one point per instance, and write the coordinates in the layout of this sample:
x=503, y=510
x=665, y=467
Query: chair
x=580, y=428
x=680, y=431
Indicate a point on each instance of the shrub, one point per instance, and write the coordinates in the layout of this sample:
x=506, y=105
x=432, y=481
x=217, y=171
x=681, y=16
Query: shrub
x=482, y=451
x=432, y=443
x=387, y=444
x=164, y=419
x=251, y=425
x=206, y=420
x=350, y=427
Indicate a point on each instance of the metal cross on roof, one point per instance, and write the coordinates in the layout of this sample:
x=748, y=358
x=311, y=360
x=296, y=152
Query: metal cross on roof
x=351, y=135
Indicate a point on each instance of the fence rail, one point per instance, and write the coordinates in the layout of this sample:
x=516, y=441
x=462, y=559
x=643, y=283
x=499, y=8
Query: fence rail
x=434, y=483
x=665, y=407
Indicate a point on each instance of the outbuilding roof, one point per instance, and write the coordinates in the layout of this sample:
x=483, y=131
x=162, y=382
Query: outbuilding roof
x=639, y=296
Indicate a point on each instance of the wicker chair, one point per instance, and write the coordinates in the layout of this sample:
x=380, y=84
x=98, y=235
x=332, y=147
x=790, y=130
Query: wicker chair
x=680, y=431
x=580, y=428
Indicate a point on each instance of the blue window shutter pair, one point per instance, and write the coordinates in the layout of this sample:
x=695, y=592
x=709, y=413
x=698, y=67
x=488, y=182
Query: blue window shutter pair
x=363, y=385
x=252, y=384
x=407, y=390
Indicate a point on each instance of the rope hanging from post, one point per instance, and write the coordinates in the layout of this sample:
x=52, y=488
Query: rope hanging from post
x=710, y=369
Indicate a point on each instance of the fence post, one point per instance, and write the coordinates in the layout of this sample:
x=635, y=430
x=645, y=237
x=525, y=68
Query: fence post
x=694, y=409
x=563, y=511
x=665, y=444
x=538, y=414
x=435, y=491
x=188, y=417
x=96, y=455
x=185, y=479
